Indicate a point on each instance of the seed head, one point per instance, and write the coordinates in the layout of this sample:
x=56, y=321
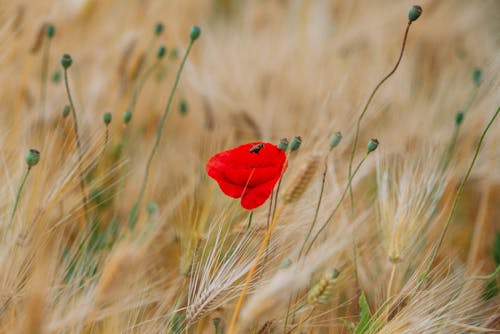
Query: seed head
x=32, y=157
x=372, y=145
x=50, y=31
x=283, y=144
x=195, y=33
x=414, y=13
x=335, y=139
x=159, y=28
x=127, y=116
x=476, y=76
x=65, y=111
x=161, y=52
x=459, y=118
x=107, y=117
x=66, y=61
x=295, y=143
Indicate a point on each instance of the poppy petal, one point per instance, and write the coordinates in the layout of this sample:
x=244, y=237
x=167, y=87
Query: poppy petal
x=256, y=196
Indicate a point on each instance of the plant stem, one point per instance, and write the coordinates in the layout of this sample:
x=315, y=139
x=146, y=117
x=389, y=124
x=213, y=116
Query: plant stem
x=456, y=198
x=78, y=144
x=251, y=272
x=133, y=216
x=358, y=123
x=338, y=203
x=316, y=211
x=18, y=196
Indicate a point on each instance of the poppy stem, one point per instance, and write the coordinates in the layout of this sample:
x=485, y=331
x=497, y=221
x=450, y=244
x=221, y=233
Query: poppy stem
x=78, y=145
x=349, y=182
x=18, y=196
x=251, y=272
x=455, y=200
x=134, y=213
x=370, y=98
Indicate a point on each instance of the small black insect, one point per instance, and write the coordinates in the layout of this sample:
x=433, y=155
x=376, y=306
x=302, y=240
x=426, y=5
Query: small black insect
x=256, y=148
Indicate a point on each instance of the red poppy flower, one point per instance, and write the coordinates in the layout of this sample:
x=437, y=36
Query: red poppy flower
x=249, y=171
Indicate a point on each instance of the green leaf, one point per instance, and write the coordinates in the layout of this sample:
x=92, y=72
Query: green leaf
x=364, y=316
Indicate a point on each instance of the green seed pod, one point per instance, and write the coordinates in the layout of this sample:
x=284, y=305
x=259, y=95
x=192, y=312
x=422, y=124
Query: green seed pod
x=32, y=157
x=335, y=139
x=65, y=111
x=459, y=118
x=66, y=60
x=152, y=208
x=56, y=76
x=414, y=13
x=372, y=145
x=295, y=143
x=183, y=107
x=107, y=117
x=195, y=33
x=476, y=76
x=283, y=144
x=161, y=52
x=127, y=116
x=159, y=28
x=50, y=31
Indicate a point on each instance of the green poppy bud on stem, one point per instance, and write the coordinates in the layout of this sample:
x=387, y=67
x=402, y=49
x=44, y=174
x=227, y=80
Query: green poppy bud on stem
x=66, y=60
x=50, y=31
x=414, y=13
x=183, y=107
x=32, y=157
x=127, y=116
x=195, y=33
x=459, y=118
x=476, y=76
x=372, y=145
x=335, y=139
x=107, y=117
x=161, y=52
x=65, y=111
x=295, y=143
x=283, y=144
x=159, y=28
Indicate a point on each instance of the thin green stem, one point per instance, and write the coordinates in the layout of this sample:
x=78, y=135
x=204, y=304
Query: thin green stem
x=133, y=216
x=316, y=211
x=349, y=182
x=18, y=196
x=456, y=198
x=78, y=144
x=360, y=118
x=44, y=74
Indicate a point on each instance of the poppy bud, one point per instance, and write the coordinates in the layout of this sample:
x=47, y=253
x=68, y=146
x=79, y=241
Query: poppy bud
x=372, y=145
x=107, y=117
x=283, y=144
x=476, y=76
x=158, y=28
x=32, y=157
x=56, y=76
x=335, y=139
x=183, y=107
x=459, y=117
x=295, y=143
x=50, y=31
x=66, y=61
x=414, y=13
x=152, y=208
x=194, y=33
x=65, y=111
x=127, y=116
x=161, y=52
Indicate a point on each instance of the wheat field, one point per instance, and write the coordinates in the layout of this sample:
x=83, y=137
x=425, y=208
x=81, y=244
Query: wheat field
x=386, y=220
